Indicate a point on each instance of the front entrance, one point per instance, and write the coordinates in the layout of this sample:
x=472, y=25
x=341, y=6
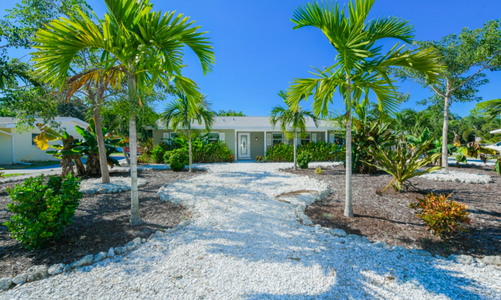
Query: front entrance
x=244, y=146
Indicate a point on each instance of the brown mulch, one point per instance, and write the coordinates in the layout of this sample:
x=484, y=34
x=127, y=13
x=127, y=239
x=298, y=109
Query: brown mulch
x=101, y=221
x=389, y=219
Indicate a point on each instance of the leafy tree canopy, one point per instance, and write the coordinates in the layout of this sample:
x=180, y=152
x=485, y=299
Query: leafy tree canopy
x=230, y=113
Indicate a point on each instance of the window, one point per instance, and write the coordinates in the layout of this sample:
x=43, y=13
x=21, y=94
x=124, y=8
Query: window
x=33, y=136
x=277, y=138
x=305, y=139
x=213, y=137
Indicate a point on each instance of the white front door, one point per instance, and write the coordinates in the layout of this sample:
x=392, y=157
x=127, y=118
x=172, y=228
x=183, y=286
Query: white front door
x=244, y=146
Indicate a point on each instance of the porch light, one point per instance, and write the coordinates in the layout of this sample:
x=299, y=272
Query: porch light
x=255, y=139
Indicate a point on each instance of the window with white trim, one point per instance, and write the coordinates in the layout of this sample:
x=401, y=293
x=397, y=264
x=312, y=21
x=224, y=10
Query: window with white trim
x=213, y=137
x=277, y=138
x=305, y=139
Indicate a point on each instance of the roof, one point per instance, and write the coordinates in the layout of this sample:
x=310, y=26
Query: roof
x=7, y=122
x=251, y=123
x=496, y=131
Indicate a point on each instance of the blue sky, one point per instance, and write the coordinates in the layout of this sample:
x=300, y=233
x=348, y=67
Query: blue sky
x=258, y=53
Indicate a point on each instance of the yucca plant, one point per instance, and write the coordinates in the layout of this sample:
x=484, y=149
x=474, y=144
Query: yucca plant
x=403, y=164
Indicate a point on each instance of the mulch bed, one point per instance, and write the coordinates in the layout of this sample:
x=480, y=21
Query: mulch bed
x=101, y=221
x=389, y=219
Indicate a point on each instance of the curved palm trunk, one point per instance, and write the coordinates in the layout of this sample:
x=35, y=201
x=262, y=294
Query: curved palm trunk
x=135, y=218
x=348, y=209
x=445, y=155
x=295, y=150
x=103, y=162
x=189, y=149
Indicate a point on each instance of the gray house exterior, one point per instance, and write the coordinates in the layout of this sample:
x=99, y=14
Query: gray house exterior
x=248, y=137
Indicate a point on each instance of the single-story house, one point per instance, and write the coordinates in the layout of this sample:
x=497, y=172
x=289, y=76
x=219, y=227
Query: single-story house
x=18, y=147
x=248, y=137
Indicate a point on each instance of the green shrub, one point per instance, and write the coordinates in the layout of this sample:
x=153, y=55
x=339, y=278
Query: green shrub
x=320, y=151
x=41, y=211
x=259, y=158
x=318, y=171
x=211, y=152
x=158, y=152
x=177, y=159
x=303, y=160
x=445, y=218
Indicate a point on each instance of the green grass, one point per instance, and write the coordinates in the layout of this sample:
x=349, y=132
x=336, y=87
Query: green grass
x=11, y=175
x=34, y=164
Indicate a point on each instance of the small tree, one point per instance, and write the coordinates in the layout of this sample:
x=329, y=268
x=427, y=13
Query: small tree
x=293, y=117
x=181, y=113
x=471, y=52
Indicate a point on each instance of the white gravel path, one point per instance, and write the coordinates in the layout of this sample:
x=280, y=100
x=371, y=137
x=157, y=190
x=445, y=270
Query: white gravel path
x=116, y=185
x=456, y=176
x=244, y=244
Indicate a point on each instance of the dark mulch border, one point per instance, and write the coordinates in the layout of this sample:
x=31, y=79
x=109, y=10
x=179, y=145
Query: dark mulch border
x=101, y=221
x=389, y=219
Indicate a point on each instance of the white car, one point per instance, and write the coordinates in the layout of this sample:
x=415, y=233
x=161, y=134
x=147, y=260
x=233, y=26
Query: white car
x=496, y=146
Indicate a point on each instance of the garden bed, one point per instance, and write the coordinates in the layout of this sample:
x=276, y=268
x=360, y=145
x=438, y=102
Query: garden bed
x=101, y=221
x=389, y=219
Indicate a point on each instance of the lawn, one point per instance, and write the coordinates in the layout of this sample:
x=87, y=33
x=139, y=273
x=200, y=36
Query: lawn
x=34, y=164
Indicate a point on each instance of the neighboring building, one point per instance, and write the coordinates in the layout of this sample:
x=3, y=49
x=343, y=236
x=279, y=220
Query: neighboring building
x=20, y=147
x=248, y=137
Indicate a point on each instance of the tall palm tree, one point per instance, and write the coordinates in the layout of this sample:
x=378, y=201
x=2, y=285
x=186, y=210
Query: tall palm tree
x=148, y=44
x=180, y=114
x=360, y=66
x=293, y=117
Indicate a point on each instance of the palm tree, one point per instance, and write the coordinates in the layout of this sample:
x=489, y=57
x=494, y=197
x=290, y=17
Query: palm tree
x=293, y=117
x=360, y=66
x=147, y=44
x=179, y=113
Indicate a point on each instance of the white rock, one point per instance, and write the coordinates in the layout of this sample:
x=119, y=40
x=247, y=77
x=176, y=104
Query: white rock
x=492, y=260
x=111, y=252
x=56, y=269
x=455, y=176
x=462, y=259
x=5, y=283
x=338, y=232
x=100, y=256
x=84, y=261
x=420, y=252
x=37, y=272
x=20, y=279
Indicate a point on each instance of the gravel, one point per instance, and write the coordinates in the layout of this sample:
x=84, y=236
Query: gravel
x=455, y=176
x=244, y=243
x=116, y=185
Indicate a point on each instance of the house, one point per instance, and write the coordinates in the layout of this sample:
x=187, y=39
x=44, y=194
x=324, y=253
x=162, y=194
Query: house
x=248, y=137
x=496, y=131
x=19, y=147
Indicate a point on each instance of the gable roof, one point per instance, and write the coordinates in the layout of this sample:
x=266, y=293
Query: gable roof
x=8, y=122
x=252, y=123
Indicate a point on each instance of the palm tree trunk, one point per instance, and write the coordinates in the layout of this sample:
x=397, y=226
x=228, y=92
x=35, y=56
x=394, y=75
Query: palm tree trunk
x=348, y=209
x=103, y=162
x=135, y=218
x=445, y=129
x=295, y=149
x=189, y=146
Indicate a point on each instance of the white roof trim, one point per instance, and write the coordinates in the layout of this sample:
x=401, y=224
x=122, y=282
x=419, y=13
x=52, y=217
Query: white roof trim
x=496, y=131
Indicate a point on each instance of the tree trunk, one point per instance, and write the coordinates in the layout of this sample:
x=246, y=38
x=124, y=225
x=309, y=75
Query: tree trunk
x=135, y=218
x=103, y=162
x=189, y=150
x=348, y=209
x=295, y=149
x=445, y=155
x=125, y=155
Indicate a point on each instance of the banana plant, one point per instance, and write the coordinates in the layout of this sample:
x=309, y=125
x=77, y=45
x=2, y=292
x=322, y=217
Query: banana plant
x=404, y=164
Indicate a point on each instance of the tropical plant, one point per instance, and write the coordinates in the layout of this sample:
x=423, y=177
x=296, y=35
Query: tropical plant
x=404, y=164
x=295, y=118
x=466, y=57
x=149, y=45
x=491, y=108
x=304, y=159
x=181, y=113
x=318, y=171
x=445, y=218
x=42, y=210
x=472, y=149
x=177, y=159
x=158, y=152
x=360, y=66
x=320, y=151
x=229, y=113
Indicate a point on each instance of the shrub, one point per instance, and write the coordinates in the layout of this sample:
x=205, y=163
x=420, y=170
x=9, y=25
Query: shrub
x=177, y=159
x=158, y=152
x=303, y=160
x=144, y=158
x=318, y=171
x=445, y=218
x=211, y=152
x=259, y=158
x=41, y=211
x=320, y=151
